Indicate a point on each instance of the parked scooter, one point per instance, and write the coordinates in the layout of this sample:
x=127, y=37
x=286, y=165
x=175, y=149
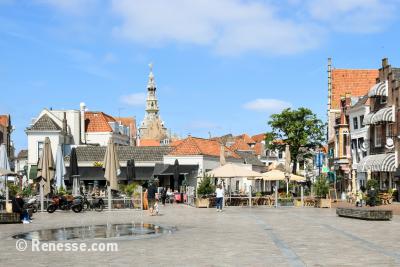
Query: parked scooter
x=65, y=203
x=32, y=204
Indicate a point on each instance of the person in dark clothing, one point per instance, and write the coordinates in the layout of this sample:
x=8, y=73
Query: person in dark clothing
x=163, y=195
x=372, y=196
x=151, y=196
x=18, y=207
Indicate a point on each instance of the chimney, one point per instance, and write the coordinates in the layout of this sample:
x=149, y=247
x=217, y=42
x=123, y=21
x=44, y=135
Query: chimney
x=83, y=134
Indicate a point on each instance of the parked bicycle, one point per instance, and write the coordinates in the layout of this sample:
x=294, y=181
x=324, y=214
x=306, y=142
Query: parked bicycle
x=97, y=204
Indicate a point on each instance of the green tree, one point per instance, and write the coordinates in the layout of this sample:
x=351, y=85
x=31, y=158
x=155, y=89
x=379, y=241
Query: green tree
x=300, y=129
x=321, y=186
x=205, y=187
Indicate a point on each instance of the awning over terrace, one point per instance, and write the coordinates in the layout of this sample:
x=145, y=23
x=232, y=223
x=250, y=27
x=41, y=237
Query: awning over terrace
x=378, y=163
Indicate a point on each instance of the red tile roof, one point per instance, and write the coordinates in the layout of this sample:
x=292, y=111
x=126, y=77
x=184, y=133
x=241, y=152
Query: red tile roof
x=355, y=82
x=176, y=142
x=98, y=122
x=149, y=142
x=199, y=146
x=259, y=137
x=240, y=144
x=258, y=149
x=247, y=139
x=4, y=120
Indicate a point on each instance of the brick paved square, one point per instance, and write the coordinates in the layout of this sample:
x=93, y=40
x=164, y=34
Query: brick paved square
x=236, y=237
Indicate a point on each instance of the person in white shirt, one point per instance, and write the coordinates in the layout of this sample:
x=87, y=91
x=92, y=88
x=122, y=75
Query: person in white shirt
x=220, y=196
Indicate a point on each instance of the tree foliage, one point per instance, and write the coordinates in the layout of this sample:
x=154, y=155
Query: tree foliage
x=300, y=129
x=321, y=187
x=205, y=187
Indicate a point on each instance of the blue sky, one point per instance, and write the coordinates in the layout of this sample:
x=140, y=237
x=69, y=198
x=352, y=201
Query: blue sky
x=220, y=66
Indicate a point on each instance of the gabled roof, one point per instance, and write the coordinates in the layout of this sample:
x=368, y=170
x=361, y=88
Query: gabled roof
x=356, y=82
x=362, y=101
x=45, y=123
x=139, y=154
x=200, y=146
x=259, y=137
x=246, y=138
x=98, y=122
x=240, y=144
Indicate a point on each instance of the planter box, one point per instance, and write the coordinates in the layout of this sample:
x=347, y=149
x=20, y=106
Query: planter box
x=365, y=214
x=323, y=203
x=202, y=202
x=297, y=203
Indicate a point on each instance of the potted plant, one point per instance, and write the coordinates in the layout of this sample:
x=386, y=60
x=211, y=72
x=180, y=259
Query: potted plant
x=321, y=188
x=204, y=189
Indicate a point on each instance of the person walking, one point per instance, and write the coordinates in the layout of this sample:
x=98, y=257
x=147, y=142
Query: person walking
x=151, y=196
x=163, y=195
x=220, y=196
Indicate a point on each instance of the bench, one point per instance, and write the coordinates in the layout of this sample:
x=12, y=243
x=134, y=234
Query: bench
x=365, y=214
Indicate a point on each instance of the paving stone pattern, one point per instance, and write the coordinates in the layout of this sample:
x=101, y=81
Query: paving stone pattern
x=239, y=236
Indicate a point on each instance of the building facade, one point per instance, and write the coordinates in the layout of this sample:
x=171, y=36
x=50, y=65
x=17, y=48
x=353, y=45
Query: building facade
x=383, y=131
x=70, y=128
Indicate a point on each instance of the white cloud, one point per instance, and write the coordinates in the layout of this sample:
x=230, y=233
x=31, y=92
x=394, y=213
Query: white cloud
x=136, y=99
x=357, y=16
x=227, y=26
x=267, y=104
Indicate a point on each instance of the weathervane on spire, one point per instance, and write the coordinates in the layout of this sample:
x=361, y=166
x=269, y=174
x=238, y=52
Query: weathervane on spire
x=151, y=67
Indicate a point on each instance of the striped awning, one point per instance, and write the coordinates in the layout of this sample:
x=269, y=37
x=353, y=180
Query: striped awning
x=383, y=115
x=378, y=163
x=368, y=118
x=379, y=89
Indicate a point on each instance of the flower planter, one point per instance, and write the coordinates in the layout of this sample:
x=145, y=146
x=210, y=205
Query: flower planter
x=202, y=202
x=323, y=203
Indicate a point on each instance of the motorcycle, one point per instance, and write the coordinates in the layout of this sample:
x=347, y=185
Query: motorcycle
x=32, y=204
x=65, y=203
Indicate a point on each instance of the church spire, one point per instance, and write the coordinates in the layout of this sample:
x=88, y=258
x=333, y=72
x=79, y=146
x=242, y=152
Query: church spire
x=152, y=127
x=151, y=84
x=151, y=101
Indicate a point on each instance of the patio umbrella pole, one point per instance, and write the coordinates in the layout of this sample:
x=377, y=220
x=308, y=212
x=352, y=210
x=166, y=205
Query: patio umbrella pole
x=41, y=185
x=109, y=197
x=276, y=193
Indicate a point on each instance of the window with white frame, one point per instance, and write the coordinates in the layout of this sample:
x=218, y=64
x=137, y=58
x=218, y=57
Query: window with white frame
x=40, y=149
x=378, y=135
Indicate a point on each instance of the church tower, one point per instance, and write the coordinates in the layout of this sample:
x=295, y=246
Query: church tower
x=152, y=127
